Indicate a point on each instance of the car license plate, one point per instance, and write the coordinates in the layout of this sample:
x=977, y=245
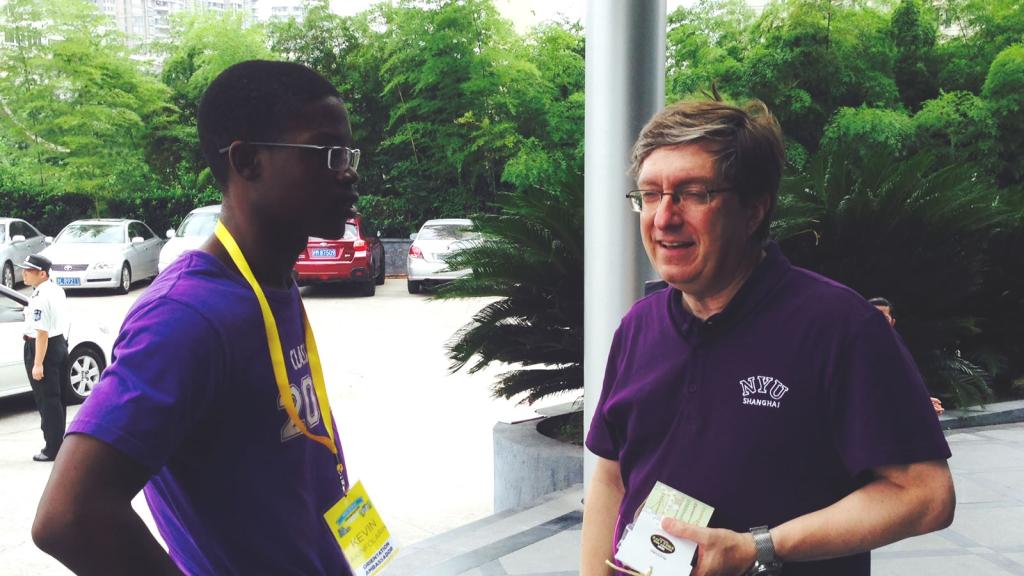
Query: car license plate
x=61, y=281
x=325, y=253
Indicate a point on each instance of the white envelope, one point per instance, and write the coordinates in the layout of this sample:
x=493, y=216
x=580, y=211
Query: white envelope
x=647, y=548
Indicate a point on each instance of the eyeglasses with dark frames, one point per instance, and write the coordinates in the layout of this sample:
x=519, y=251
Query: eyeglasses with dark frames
x=339, y=158
x=689, y=195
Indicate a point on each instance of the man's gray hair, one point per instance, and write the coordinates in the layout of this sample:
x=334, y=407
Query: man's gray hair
x=745, y=142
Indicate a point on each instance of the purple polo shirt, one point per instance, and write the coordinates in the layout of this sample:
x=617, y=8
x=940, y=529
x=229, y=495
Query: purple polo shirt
x=191, y=396
x=779, y=405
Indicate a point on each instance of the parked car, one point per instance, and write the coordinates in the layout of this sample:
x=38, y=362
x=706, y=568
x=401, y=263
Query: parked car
x=18, y=239
x=357, y=257
x=191, y=233
x=104, y=253
x=88, y=347
x=436, y=238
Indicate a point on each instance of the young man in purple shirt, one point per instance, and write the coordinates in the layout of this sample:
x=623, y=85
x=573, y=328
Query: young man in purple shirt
x=189, y=410
x=782, y=399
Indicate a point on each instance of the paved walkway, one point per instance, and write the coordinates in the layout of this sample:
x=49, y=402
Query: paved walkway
x=986, y=538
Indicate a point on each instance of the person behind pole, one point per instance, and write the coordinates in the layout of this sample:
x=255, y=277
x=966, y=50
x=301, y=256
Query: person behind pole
x=889, y=311
x=213, y=403
x=46, y=351
x=777, y=396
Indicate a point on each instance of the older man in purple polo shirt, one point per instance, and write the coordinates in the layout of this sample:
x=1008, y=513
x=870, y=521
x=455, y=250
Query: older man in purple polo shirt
x=779, y=397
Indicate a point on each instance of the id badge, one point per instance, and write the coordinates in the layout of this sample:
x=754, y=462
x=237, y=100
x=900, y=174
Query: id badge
x=360, y=532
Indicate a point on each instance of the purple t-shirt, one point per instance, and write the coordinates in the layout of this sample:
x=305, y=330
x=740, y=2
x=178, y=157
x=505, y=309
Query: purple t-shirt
x=191, y=396
x=778, y=406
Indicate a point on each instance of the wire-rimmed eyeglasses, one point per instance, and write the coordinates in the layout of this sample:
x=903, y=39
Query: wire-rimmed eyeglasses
x=690, y=196
x=339, y=158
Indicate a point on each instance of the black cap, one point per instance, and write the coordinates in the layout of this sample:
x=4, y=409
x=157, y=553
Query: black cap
x=36, y=262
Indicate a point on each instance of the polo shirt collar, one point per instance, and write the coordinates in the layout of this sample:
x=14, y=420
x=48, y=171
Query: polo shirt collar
x=762, y=281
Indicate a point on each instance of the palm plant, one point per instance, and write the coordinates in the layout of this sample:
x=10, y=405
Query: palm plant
x=913, y=232
x=531, y=257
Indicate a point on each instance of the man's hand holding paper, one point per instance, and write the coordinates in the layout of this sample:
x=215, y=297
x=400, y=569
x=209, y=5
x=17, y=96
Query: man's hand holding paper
x=720, y=552
x=648, y=547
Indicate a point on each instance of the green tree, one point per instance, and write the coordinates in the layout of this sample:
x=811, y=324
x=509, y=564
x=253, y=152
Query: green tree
x=958, y=127
x=549, y=124
x=454, y=85
x=77, y=109
x=1004, y=91
x=981, y=29
x=810, y=57
x=448, y=104
x=203, y=44
x=866, y=131
x=707, y=43
x=914, y=37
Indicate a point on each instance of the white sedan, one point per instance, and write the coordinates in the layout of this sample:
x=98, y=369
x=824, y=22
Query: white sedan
x=88, y=352
x=18, y=240
x=190, y=235
x=104, y=253
x=435, y=240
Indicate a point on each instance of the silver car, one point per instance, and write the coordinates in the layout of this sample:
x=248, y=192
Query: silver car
x=88, y=352
x=190, y=235
x=436, y=238
x=104, y=253
x=18, y=240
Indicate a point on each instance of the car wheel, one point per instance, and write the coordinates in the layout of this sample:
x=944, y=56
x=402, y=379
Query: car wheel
x=85, y=364
x=415, y=286
x=126, y=279
x=370, y=288
x=8, y=275
x=380, y=275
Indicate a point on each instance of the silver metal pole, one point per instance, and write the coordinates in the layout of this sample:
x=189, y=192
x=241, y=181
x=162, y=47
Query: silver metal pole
x=625, y=86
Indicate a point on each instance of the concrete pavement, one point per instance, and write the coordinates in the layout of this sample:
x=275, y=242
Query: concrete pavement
x=986, y=538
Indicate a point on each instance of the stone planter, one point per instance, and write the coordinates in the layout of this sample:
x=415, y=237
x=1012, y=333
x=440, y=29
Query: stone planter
x=529, y=465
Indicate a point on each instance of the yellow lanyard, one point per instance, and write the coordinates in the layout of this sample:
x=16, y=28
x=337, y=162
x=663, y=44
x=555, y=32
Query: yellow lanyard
x=277, y=355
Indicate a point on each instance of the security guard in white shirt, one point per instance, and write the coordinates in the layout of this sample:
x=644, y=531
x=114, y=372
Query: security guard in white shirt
x=46, y=351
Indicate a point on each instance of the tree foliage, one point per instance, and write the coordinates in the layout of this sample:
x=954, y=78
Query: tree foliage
x=456, y=113
x=203, y=45
x=1004, y=90
x=913, y=231
x=77, y=112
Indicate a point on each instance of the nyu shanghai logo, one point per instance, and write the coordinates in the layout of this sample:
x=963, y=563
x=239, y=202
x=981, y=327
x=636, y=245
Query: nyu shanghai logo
x=763, y=391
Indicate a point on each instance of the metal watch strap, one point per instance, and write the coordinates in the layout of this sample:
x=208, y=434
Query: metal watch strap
x=767, y=563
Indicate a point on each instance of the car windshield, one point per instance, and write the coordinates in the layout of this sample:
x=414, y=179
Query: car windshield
x=3, y=233
x=197, y=225
x=350, y=233
x=447, y=232
x=92, y=234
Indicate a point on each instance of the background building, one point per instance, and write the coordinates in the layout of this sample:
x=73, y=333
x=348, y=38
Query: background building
x=145, y=21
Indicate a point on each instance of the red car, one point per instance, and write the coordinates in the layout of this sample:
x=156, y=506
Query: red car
x=357, y=257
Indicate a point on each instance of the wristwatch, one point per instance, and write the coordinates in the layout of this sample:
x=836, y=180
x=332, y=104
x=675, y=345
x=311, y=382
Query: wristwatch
x=767, y=563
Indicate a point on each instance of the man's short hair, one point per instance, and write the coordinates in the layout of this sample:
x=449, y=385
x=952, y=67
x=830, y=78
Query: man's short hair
x=746, y=143
x=879, y=301
x=254, y=101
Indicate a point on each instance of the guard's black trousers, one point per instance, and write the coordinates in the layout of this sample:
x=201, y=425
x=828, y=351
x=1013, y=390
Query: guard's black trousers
x=47, y=391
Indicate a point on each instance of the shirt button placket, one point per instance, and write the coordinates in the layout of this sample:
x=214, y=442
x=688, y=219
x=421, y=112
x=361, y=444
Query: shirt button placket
x=695, y=371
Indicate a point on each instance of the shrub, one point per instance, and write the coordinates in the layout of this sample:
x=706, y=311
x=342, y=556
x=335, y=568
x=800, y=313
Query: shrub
x=532, y=258
x=916, y=233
